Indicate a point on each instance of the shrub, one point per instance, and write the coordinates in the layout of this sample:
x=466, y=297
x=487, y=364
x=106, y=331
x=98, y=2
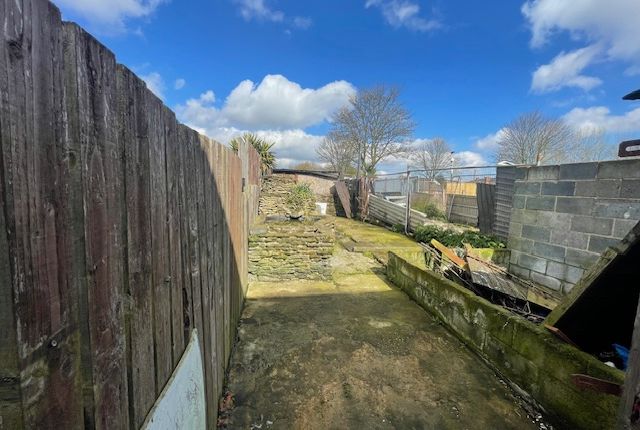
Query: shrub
x=452, y=238
x=300, y=198
x=398, y=228
x=432, y=211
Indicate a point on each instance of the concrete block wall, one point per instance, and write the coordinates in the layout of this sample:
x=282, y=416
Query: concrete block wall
x=563, y=217
x=527, y=355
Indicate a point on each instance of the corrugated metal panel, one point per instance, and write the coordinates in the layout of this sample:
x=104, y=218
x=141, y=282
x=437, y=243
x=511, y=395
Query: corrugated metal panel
x=391, y=213
x=505, y=180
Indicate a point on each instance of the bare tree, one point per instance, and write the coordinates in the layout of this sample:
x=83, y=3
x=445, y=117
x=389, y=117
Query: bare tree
x=340, y=154
x=591, y=144
x=378, y=125
x=535, y=139
x=432, y=155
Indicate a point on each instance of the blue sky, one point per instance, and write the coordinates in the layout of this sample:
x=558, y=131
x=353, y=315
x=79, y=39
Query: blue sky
x=465, y=69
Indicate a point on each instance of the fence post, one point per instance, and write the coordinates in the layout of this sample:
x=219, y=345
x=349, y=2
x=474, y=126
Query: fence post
x=407, y=225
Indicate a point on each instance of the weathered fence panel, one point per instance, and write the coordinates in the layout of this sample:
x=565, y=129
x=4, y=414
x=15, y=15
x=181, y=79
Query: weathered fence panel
x=120, y=231
x=505, y=182
x=43, y=373
x=486, y=201
x=462, y=209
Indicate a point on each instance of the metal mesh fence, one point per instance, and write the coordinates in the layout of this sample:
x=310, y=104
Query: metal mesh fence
x=445, y=194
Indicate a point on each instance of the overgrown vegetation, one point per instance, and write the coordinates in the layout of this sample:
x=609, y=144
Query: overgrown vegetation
x=263, y=147
x=397, y=228
x=300, y=197
x=427, y=205
x=432, y=211
x=453, y=238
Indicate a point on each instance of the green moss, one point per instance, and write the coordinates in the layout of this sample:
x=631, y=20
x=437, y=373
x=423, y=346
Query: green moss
x=527, y=354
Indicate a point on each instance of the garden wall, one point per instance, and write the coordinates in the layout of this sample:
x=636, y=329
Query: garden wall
x=287, y=250
x=565, y=216
x=539, y=364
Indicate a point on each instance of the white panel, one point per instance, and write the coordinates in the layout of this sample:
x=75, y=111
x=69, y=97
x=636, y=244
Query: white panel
x=182, y=403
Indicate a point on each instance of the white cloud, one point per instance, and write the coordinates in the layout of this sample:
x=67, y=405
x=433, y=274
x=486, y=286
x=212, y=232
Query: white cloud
x=155, y=83
x=276, y=109
x=179, y=84
x=470, y=159
x=404, y=13
x=302, y=22
x=490, y=142
x=600, y=118
x=258, y=10
x=291, y=146
x=614, y=23
x=564, y=71
x=110, y=15
x=279, y=103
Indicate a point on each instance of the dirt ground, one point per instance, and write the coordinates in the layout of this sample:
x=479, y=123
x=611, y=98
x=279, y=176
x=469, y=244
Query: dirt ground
x=357, y=353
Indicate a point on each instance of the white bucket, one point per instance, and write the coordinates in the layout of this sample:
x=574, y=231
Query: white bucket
x=321, y=208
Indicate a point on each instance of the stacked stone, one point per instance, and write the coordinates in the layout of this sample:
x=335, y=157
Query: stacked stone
x=274, y=193
x=291, y=250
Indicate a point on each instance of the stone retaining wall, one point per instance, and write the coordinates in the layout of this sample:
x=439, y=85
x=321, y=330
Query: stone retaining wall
x=275, y=191
x=536, y=362
x=286, y=250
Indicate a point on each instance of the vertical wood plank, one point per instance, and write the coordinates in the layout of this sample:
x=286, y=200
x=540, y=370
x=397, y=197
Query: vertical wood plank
x=134, y=135
x=218, y=292
x=174, y=196
x=92, y=113
x=160, y=268
x=10, y=393
x=193, y=233
x=211, y=196
x=39, y=237
x=203, y=214
x=184, y=175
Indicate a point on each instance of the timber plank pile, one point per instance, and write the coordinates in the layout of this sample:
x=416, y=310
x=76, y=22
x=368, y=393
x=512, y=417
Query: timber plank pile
x=121, y=230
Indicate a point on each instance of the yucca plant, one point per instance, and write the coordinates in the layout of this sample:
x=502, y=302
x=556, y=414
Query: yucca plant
x=267, y=158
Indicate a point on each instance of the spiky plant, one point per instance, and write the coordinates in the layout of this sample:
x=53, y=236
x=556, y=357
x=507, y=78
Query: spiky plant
x=262, y=147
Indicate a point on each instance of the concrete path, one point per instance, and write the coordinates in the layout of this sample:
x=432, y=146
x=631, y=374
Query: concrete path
x=357, y=353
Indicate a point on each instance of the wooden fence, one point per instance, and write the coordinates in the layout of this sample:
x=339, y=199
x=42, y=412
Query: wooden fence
x=486, y=201
x=462, y=209
x=121, y=230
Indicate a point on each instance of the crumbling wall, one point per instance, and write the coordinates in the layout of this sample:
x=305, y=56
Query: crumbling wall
x=276, y=188
x=539, y=364
x=285, y=250
x=565, y=216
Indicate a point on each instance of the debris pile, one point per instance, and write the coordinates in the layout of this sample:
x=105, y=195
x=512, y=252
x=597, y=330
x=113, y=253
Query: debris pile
x=481, y=271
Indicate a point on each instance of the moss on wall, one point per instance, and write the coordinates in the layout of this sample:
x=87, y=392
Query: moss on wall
x=292, y=250
x=524, y=353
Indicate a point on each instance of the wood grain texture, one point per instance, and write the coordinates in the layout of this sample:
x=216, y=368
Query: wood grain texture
x=39, y=236
x=140, y=347
x=10, y=393
x=121, y=230
x=174, y=196
x=93, y=118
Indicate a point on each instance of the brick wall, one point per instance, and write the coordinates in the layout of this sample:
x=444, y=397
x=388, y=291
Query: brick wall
x=564, y=216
